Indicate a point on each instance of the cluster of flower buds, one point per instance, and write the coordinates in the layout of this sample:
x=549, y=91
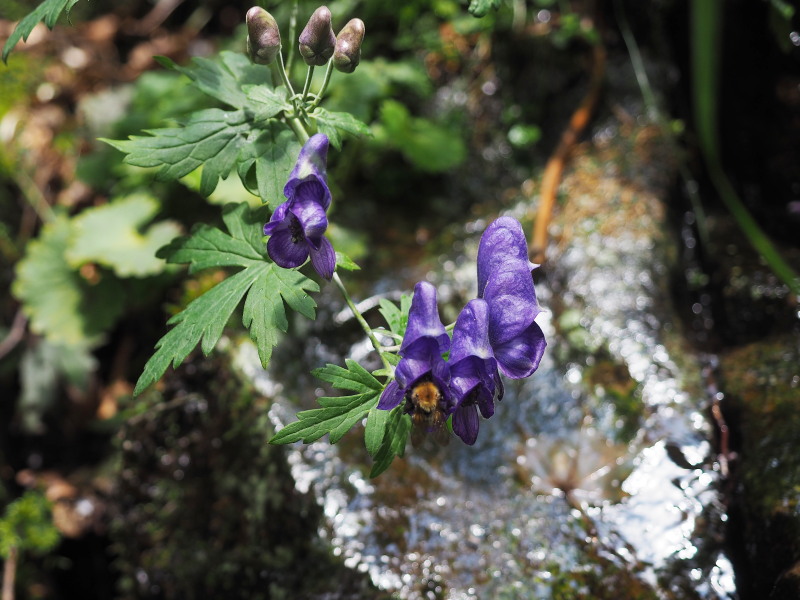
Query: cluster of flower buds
x=317, y=41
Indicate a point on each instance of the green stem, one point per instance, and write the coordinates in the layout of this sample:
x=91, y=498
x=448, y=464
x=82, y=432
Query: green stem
x=324, y=87
x=34, y=196
x=292, y=34
x=362, y=321
x=297, y=126
x=654, y=111
x=309, y=76
x=706, y=36
x=279, y=68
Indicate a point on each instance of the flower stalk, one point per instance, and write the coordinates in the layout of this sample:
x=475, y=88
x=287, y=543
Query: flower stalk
x=363, y=322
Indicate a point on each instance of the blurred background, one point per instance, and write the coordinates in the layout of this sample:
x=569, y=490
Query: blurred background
x=652, y=152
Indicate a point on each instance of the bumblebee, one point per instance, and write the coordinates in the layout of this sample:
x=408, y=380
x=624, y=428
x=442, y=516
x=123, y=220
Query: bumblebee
x=427, y=414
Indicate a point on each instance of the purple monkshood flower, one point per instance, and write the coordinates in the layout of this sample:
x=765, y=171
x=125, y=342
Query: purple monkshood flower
x=494, y=333
x=505, y=283
x=474, y=379
x=424, y=343
x=297, y=226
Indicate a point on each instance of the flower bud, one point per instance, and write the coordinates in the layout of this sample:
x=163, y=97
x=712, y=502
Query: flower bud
x=347, y=53
x=317, y=40
x=263, y=36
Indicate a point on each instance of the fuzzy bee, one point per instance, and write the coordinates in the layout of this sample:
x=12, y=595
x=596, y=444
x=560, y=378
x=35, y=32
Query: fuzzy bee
x=427, y=414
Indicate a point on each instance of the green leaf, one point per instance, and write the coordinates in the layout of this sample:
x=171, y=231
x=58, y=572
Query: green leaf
x=211, y=138
x=480, y=8
x=48, y=11
x=42, y=367
x=109, y=235
x=354, y=378
x=396, y=318
x=265, y=285
x=429, y=146
x=210, y=247
x=394, y=440
x=269, y=157
x=221, y=79
x=345, y=262
x=336, y=415
x=374, y=432
x=60, y=304
x=266, y=103
x=331, y=123
x=264, y=314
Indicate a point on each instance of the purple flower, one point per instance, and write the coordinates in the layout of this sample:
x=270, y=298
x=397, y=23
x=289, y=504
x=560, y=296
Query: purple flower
x=505, y=283
x=475, y=381
x=422, y=376
x=297, y=226
x=494, y=333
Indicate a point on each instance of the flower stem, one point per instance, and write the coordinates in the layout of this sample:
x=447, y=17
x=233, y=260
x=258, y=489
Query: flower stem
x=297, y=126
x=362, y=321
x=309, y=76
x=280, y=68
x=292, y=34
x=324, y=87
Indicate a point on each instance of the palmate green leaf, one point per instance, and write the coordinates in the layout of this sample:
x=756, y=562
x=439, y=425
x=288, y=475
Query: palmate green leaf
x=48, y=11
x=264, y=286
x=222, y=79
x=62, y=305
x=332, y=123
x=210, y=247
x=266, y=102
x=212, y=138
x=268, y=158
x=109, y=235
x=336, y=415
x=397, y=428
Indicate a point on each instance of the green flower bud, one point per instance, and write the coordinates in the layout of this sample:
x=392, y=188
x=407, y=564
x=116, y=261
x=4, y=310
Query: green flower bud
x=317, y=40
x=263, y=36
x=347, y=53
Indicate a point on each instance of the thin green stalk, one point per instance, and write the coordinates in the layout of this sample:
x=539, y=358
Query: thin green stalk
x=33, y=195
x=706, y=35
x=309, y=76
x=292, y=34
x=755, y=235
x=364, y=325
x=636, y=60
x=324, y=87
x=279, y=68
x=654, y=111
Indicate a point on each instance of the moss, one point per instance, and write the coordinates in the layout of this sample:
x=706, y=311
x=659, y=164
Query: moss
x=206, y=508
x=762, y=386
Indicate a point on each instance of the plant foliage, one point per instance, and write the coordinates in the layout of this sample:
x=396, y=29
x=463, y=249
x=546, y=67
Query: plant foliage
x=263, y=285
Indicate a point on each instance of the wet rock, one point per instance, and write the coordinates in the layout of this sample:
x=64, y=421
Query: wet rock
x=761, y=382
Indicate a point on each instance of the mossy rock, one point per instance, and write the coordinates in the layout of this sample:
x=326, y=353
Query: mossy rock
x=762, y=386
x=206, y=508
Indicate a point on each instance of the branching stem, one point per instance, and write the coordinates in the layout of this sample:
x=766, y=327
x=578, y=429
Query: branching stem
x=324, y=87
x=307, y=86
